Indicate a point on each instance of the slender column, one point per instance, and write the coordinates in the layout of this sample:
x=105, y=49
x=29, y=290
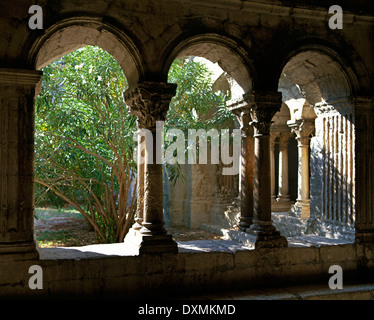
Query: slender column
x=364, y=169
x=242, y=112
x=140, y=181
x=283, y=194
x=303, y=130
x=273, y=137
x=149, y=102
x=263, y=105
x=17, y=123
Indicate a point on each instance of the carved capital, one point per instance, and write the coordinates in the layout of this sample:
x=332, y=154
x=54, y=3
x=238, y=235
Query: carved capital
x=242, y=111
x=303, y=130
x=149, y=102
x=263, y=105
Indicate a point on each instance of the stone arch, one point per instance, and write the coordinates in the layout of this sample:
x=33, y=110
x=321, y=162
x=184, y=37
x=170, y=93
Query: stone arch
x=207, y=203
x=229, y=55
x=72, y=34
x=320, y=68
x=317, y=85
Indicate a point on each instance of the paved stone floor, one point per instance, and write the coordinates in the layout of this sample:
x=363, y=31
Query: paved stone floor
x=219, y=245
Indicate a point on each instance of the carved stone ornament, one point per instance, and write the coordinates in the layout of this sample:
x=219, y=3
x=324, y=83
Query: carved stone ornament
x=149, y=102
x=264, y=105
x=303, y=130
x=242, y=111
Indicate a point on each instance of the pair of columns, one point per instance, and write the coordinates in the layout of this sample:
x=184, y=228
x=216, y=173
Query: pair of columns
x=303, y=130
x=282, y=202
x=255, y=114
x=150, y=102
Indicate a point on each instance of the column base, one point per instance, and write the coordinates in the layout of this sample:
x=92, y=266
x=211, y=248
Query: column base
x=265, y=235
x=282, y=205
x=19, y=251
x=301, y=209
x=244, y=224
x=150, y=244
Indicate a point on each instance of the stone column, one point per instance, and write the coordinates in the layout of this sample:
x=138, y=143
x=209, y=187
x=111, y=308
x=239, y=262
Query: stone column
x=364, y=167
x=263, y=106
x=303, y=130
x=149, y=102
x=283, y=201
x=242, y=112
x=17, y=126
x=140, y=181
x=273, y=138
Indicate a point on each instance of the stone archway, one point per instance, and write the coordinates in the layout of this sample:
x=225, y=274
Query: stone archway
x=72, y=34
x=21, y=87
x=317, y=90
x=237, y=67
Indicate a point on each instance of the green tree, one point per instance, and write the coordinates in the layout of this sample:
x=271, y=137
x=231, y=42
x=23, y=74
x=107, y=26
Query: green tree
x=85, y=136
x=84, y=140
x=196, y=105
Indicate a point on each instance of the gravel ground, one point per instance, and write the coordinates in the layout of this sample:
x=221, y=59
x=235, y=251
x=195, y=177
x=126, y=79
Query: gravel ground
x=69, y=231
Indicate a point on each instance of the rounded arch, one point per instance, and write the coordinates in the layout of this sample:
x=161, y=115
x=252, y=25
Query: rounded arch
x=229, y=55
x=72, y=34
x=319, y=72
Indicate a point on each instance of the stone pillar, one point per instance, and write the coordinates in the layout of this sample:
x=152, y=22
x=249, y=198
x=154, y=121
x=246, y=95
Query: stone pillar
x=242, y=112
x=149, y=102
x=303, y=130
x=17, y=123
x=364, y=166
x=283, y=201
x=140, y=181
x=273, y=138
x=263, y=106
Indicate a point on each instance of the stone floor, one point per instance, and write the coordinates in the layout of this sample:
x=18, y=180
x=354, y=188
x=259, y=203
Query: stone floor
x=219, y=245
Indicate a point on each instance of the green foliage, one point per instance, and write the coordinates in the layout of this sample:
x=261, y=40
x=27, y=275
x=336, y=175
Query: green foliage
x=85, y=137
x=196, y=105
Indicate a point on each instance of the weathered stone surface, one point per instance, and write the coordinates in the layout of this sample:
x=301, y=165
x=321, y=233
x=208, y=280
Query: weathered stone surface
x=265, y=46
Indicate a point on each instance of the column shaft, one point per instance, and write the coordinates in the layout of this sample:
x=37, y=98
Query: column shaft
x=364, y=167
x=303, y=130
x=272, y=169
x=283, y=203
x=283, y=172
x=17, y=123
x=242, y=111
x=140, y=183
x=264, y=106
x=153, y=216
x=149, y=102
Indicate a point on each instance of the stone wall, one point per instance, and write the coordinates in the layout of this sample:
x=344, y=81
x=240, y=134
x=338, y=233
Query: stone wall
x=333, y=171
x=197, y=268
